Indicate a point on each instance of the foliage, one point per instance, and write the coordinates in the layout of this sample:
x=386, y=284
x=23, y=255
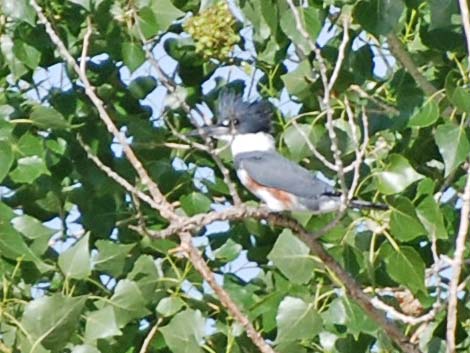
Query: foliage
x=77, y=273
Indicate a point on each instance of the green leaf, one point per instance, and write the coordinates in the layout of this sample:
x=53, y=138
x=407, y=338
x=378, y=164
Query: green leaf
x=128, y=302
x=185, y=332
x=48, y=118
x=405, y=266
x=378, y=17
x=75, y=261
x=291, y=256
x=13, y=246
x=111, y=257
x=31, y=227
x=195, y=203
x=460, y=97
x=83, y=3
x=426, y=115
x=165, y=13
x=397, y=175
x=441, y=13
x=404, y=223
x=14, y=64
x=228, y=251
x=310, y=21
x=133, y=55
x=28, y=54
x=29, y=169
x=169, y=306
x=295, y=138
x=85, y=348
x=101, y=324
x=145, y=274
x=52, y=320
x=297, y=83
x=6, y=159
x=431, y=217
x=453, y=145
x=297, y=320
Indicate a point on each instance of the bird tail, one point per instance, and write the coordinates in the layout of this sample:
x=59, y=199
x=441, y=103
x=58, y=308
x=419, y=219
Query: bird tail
x=361, y=204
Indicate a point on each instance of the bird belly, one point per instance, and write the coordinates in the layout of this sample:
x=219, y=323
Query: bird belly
x=276, y=200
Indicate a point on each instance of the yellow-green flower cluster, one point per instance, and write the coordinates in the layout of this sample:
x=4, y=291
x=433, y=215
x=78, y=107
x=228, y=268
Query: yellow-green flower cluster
x=213, y=31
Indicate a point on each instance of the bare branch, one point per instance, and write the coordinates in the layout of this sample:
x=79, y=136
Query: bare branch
x=341, y=53
x=201, y=266
x=457, y=266
x=164, y=207
x=399, y=52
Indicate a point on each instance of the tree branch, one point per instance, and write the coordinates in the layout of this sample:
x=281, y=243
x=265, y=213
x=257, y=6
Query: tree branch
x=466, y=25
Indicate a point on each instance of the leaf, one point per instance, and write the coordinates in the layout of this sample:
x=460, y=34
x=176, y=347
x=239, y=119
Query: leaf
x=165, y=13
x=460, y=97
x=31, y=227
x=185, y=332
x=404, y=224
x=111, y=257
x=291, y=256
x=83, y=3
x=6, y=159
x=51, y=320
x=431, y=217
x=297, y=320
x=101, y=324
x=453, y=145
x=75, y=261
x=133, y=55
x=48, y=118
x=228, y=251
x=142, y=86
x=296, y=81
x=13, y=246
x=195, y=203
x=85, y=348
x=426, y=115
x=405, y=266
x=29, y=169
x=14, y=64
x=310, y=21
x=128, y=302
x=378, y=17
x=397, y=175
x=295, y=139
x=169, y=306
x=28, y=54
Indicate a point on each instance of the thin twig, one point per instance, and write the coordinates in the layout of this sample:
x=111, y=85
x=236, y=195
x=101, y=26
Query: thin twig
x=457, y=267
x=341, y=53
x=149, y=337
x=86, y=44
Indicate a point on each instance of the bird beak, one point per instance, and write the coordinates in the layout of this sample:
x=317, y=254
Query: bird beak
x=211, y=130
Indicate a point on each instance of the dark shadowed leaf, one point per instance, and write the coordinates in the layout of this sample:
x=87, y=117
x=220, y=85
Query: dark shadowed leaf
x=378, y=16
x=6, y=159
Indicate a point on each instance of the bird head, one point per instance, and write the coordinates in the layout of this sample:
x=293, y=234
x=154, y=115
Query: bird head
x=236, y=116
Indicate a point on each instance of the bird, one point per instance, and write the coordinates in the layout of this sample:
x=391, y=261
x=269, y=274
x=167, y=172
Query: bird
x=280, y=183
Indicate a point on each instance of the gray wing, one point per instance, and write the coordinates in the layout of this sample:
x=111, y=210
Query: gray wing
x=273, y=170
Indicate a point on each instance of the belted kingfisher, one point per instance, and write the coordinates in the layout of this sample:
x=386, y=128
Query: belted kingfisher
x=282, y=184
